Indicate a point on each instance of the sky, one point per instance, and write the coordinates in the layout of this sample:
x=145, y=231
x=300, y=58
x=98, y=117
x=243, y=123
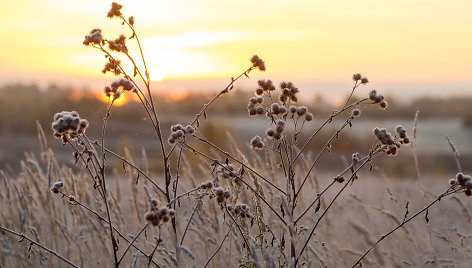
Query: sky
x=406, y=48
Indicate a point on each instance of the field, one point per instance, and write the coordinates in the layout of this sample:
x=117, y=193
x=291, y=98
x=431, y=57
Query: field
x=260, y=178
x=375, y=203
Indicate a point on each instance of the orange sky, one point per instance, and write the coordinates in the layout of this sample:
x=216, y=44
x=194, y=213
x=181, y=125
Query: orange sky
x=415, y=47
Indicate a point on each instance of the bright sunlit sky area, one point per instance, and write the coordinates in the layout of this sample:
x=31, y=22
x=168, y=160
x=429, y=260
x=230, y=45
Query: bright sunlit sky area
x=405, y=48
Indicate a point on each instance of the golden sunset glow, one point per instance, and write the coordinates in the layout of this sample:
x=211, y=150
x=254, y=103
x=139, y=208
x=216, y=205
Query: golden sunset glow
x=123, y=99
x=178, y=95
x=412, y=44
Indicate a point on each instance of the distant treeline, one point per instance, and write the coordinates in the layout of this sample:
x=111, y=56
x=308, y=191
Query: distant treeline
x=22, y=105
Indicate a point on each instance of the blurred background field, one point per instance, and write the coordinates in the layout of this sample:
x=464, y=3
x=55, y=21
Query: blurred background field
x=22, y=105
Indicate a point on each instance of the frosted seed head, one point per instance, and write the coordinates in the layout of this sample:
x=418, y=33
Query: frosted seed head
x=292, y=109
x=379, y=99
x=190, y=129
x=468, y=192
x=180, y=133
x=282, y=98
x=373, y=95
x=270, y=133
x=163, y=211
x=308, y=117
x=175, y=127
x=258, y=63
x=56, y=187
x=282, y=110
x=252, y=111
x=301, y=110
x=468, y=185
x=356, y=77
x=115, y=10
x=220, y=199
x=384, y=104
x=356, y=112
x=277, y=136
x=260, y=110
x=219, y=191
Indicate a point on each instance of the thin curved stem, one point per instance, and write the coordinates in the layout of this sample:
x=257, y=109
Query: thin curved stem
x=23, y=237
x=133, y=166
x=238, y=177
x=318, y=196
x=132, y=242
x=104, y=220
x=224, y=91
x=354, y=173
x=190, y=220
x=239, y=162
x=447, y=192
x=329, y=120
x=328, y=143
x=218, y=249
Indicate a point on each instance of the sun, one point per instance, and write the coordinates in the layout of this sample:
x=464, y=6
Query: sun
x=118, y=102
x=156, y=75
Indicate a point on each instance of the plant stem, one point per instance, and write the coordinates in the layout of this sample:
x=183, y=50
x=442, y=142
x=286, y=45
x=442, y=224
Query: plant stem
x=23, y=236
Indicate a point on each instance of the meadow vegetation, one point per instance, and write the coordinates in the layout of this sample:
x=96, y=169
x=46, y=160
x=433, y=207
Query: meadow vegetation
x=263, y=204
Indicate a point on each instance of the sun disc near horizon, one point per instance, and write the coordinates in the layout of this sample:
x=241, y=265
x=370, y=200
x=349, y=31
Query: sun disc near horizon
x=156, y=75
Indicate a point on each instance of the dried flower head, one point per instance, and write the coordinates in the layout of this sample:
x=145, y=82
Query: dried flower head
x=364, y=80
x=301, y=110
x=308, y=117
x=277, y=136
x=270, y=133
x=356, y=77
x=373, y=95
x=252, y=110
x=356, y=112
x=257, y=143
x=67, y=125
x=190, y=129
x=118, y=45
x=242, y=210
x=260, y=110
x=274, y=108
x=56, y=187
x=292, y=109
x=115, y=10
x=112, y=66
x=258, y=63
x=355, y=157
x=152, y=217
x=460, y=177
x=253, y=100
x=131, y=20
x=95, y=37
x=383, y=104
x=175, y=127
x=282, y=110
x=206, y=185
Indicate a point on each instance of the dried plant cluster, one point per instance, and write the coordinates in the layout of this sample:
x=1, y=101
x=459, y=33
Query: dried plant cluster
x=264, y=208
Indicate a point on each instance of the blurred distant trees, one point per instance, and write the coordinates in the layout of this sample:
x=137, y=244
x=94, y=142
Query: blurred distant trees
x=21, y=105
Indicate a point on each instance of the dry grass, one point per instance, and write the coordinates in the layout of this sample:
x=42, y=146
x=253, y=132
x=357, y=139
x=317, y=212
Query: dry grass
x=209, y=207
